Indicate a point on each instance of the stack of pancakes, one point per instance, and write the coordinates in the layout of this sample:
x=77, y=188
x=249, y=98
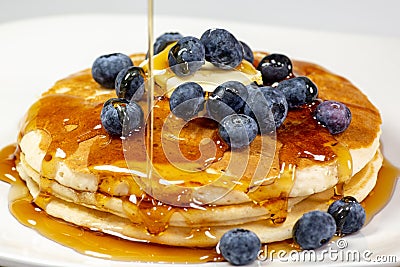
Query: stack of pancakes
x=75, y=171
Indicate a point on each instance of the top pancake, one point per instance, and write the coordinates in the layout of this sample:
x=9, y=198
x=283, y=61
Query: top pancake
x=62, y=138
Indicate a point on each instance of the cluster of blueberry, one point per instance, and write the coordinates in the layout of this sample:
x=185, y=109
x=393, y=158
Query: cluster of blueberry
x=242, y=111
x=276, y=70
x=217, y=46
x=316, y=228
x=117, y=71
x=311, y=231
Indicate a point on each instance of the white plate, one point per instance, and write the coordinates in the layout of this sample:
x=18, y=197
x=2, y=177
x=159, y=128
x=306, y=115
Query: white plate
x=35, y=53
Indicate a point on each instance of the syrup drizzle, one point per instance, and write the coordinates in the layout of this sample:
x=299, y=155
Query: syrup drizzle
x=150, y=92
x=83, y=240
x=105, y=246
x=383, y=190
x=301, y=139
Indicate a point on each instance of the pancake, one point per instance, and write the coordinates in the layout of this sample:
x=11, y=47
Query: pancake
x=75, y=171
x=197, y=230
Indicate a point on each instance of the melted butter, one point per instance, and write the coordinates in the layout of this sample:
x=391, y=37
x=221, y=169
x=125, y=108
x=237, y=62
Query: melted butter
x=209, y=76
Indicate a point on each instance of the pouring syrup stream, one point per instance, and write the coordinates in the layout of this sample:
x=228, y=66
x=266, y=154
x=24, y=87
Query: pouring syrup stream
x=150, y=90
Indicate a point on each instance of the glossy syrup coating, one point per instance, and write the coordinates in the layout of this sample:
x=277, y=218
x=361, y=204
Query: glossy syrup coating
x=86, y=241
x=108, y=150
x=299, y=133
x=129, y=83
x=349, y=215
x=186, y=56
x=118, y=111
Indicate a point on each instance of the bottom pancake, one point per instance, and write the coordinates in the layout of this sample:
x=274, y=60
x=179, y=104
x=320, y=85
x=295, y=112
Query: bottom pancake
x=208, y=233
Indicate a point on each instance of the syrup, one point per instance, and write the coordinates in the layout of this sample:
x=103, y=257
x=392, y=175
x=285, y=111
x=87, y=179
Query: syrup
x=105, y=246
x=302, y=141
x=73, y=129
x=83, y=240
x=383, y=190
x=150, y=91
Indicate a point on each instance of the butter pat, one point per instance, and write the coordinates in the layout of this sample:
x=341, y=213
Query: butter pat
x=209, y=76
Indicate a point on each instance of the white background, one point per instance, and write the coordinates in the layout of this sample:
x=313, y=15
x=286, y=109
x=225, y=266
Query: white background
x=378, y=17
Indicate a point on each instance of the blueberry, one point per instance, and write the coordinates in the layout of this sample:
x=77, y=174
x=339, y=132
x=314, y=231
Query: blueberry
x=106, y=68
x=260, y=107
x=239, y=246
x=117, y=111
x=222, y=48
x=238, y=130
x=257, y=107
x=298, y=91
x=348, y=214
x=275, y=68
x=187, y=56
x=129, y=83
x=187, y=100
x=314, y=229
x=247, y=52
x=335, y=116
x=164, y=40
x=278, y=104
x=228, y=98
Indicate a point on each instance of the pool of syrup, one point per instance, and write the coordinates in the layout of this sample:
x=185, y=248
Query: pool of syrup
x=114, y=248
x=83, y=240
